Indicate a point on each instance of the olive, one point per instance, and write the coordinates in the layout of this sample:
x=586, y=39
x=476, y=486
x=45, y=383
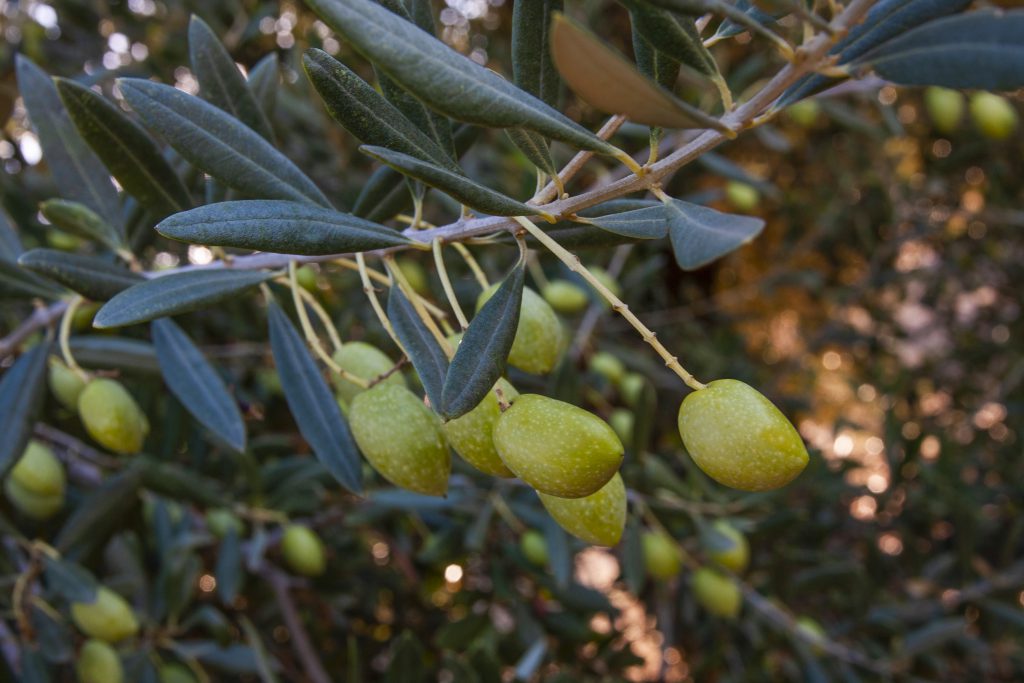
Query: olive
x=565, y=297
x=661, y=555
x=717, y=593
x=598, y=518
x=365, y=361
x=534, y=547
x=471, y=435
x=98, y=663
x=730, y=549
x=303, y=551
x=112, y=417
x=109, y=617
x=538, y=342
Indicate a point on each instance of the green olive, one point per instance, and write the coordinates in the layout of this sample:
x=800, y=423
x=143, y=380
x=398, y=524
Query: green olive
x=813, y=632
x=661, y=556
x=739, y=438
x=307, y=278
x=221, y=520
x=175, y=673
x=39, y=471
x=303, y=551
x=537, y=345
x=365, y=361
x=98, y=663
x=565, y=297
x=622, y=421
x=945, y=108
x=608, y=366
x=631, y=388
x=732, y=551
x=742, y=196
x=415, y=274
x=609, y=282
x=804, y=113
x=598, y=518
x=534, y=547
x=717, y=593
x=81, y=321
x=65, y=384
x=557, y=448
x=112, y=417
x=30, y=504
x=401, y=438
x=472, y=434
x=109, y=617
x=64, y=241
x=993, y=115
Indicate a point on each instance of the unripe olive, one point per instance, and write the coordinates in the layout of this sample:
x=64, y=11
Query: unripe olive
x=538, y=339
x=112, y=417
x=81, y=321
x=565, y=297
x=631, y=388
x=557, y=448
x=598, y=518
x=804, y=113
x=109, y=617
x=306, y=278
x=65, y=241
x=221, y=520
x=401, y=438
x=993, y=115
x=415, y=274
x=472, y=435
x=742, y=196
x=98, y=663
x=945, y=108
x=534, y=547
x=661, y=555
x=739, y=438
x=606, y=279
x=717, y=593
x=303, y=551
x=65, y=384
x=814, y=633
x=623, y=421
x=32, y=504
x=175, y=673
x=365, y=361
x=733, y=552
x=39, y=471
x=608, y=366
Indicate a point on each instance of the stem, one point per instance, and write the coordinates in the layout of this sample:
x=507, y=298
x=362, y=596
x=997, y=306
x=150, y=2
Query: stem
x=467, y=256
x=533, y=263
x=305, y=651
x=409, y=220
x=371, y=294
x=446, y=284
x=380, y=277
x=65, y=336
x=325, y=319
x=417, y=303
x=574, y=264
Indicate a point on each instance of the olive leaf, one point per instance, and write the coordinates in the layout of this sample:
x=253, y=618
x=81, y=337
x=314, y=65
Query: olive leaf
x=673, y=35
x=219, y=144
x=174, y=294
x=263, y=80
x=483, y=352
x=730, y=27
x=133, y=355
x=177, y=481
x=644, y=223
x=384, y=194
x=92, y=277
x=532, y=67
x=278, y=226
x=700, y=235
x=654, y=64
x=534, y=147
x=10, y=243
x=427, y=358
x=79, y=219
x=17, y=281
x=196, y=384
x=70, y=580
x=101, y=511
x=229, y=571
x=312, y=404
x=21, y=397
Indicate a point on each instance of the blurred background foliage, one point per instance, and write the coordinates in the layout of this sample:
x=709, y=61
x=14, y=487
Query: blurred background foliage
x=880, y=308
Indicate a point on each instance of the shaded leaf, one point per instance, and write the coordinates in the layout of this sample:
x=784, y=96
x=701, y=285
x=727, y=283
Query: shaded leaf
x=383, y=195
x=646, y=223
x=634, y=570
x=700, y=235
x=179, y=482
x=658, y=67
x=229, y=571
x=101, y=511
x=936, y=633
x=10, y=243
x=672, y=35
x=133, y=355
x=560, y=555
x=16, y=281
x=21, y=396
x=264, y=79
x=406, y=665
x=92, y=277
x=69, y=580
x=532, y=67
x=426, y=356
x=534, y=147
x=531, y=660
x=79, y=219
x=730, y=27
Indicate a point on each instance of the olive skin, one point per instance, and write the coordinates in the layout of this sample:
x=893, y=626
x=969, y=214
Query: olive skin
x=736, y=556
x=716, y=593
x=631, y=387
x=109, y=617
x=598, y=519
x=175, y=673
x=623, y=421
x=401, y=438
x=65, y=384
x=993, y=116
x=98, y=663
x=303, y=551
x=538, y=342
x=472, y=435
x=813, y=632
x=221, y=520
x=804, y=113
x=739, y=438
x=741, y=196
x=609, y=282
x=945, y=108
x=112, y=417
x=608, y=366
x=534, y=547
x=661, y=556
x=557, y=448
x=565, y=297
x=35, y=485
x=365, y=361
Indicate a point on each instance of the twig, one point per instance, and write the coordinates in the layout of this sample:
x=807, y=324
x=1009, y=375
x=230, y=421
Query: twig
x=301, y=643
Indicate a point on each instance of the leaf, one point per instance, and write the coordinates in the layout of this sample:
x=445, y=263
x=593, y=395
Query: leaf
x=673, y=35
x=132, y=355
x=279, y=226
x=938, y=632
x=534, y=147
x=463, y=189
x=229, y=571
x=730, y=27
x=16, y=281
x=483, y=352
x=100, y=512
x=313, y=404
x=92, y=277
x=219, y=144
x=69, y=580
x=220, y=82
x=10, y=243
x=21, y=397
x=983, y=49
x=179, y=482
x=127, y=150
x=264, y=79
x=422, y=349
x=560, y=555
x=532, y=67
x=174, y=294
x=645, y=223
x=383, y=195
x=196, y=384
x=658, y=67
x=407, y=656
x=634, y=572
x=354, y=104
x=79, y=219
x=75, y=169
x=445, y=80
x=700, y=235
x=607, y=81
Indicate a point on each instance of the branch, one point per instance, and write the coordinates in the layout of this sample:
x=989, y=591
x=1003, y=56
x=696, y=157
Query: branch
x=301, y=643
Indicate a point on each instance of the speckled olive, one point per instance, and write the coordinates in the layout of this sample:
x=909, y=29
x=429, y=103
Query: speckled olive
x=993, y=115
x=565, y=297
x=112, y=417
x=598, y=518
x=98, y=663
x=538, y=341
x=661, y=555
x=945, y=108
x=534, y=547
x=66, y=385
x=739, y=438
x=109, y=617
x=303, y=550
x=728, y=547
x=472, y=435
x=716, y=592
x=365, y=361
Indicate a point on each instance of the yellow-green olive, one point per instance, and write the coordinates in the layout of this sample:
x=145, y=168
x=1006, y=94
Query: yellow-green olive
x=945, y=108
x=175, y=673
x=98, y=663
x=804, y=113
x=112, y=417
x=565, y=297
x=534, y=547
x=729, y=548
x=993, y=115
x=598, y=518
x=742, y=196
x=661, y=555
x=538, y=341
x=632, y=387
x=622, y=421
x=65, y=384
x=109, y=617
x=35, y=485
x=221, y=520
x=366, y=362
x=303, y=550
x=717, y=593
x=472, y=435
x=608, y=366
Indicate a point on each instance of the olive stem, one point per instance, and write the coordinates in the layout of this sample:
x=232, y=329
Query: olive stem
x=417, y=304
x=409, y=220
x=371, y=294
x=471, y=261
x=64, y=338
x=533, y=263
x=325, y=319
x=380, y=277
x=446, y=284
x=575, y=265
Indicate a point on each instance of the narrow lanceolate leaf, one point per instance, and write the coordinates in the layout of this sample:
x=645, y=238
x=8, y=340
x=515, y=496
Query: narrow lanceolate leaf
x=10, y=243
x=354, y=104
x=313, y=404
x=174, y=294
x=607, y=81
x=79, y=219
x=219, y=144
x=196, y=384
x=730, y=27
x=94, y=278
x=16, y=281
x=127, y=150
x=220, y=82
x=700, y=235
x=70, y=580
x=467, y=191
x=444, y=79
x=280, y=227
x=673, y=35
x=102, y=511
x=76, y=170
x=229, y=571
x=647, y=223
x=982, y=49
x=534, y=147
x=482, y=354
x=532, y=67
x=264, y=79
x=657, y=66
x=21, y=394
x=383, y=195
x=422, y=349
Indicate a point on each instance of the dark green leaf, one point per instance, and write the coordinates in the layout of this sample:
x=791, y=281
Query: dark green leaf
x=313, y=404
x=646, y=223
x=480, y=359
x=634, y=571
x=229, y=571
x=383, y=195
x=21, y=396
x=559, y=553
x=232, y=659
x=101, y=511
x=935, y=634
x=195, y=383
x=176, y=293
x=219, y=144
x=179, y=482
x=730, y=27
x=10, y=243
x=34, y=667
x=264, y=79
x=407, y=656
x=700, y=235
x=673, y=35
x=534, y=147
x=532, y=68
x=92, y=277
x=132, y=355
x=426, y=356
x=658, y=67
x=16, y=281
x=71, y=581
x=79, y=219
x=53, y=634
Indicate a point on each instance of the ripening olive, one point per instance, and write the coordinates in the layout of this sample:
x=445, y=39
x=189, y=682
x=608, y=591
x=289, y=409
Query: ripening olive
x=993, y=115
x=365, y=361
x=109, y=617
x=945, y=108
x=804, y=113
x=623, y=421
x=35, y=485
x=401, y=438
x=98, y=663
x=742, y=196
x=716, y=592
x=557, y=448
x=303, y=550
x=65, y=384
x=221, y=520
x=730, y=548
x=608, y=366
x=565, y=297
x=472, y=434
x=598, y=518
x=631, y=388
x=175, y=673
x=537, y=343
x=661, y=555
x=739, y=438
x=112, y=417
x=534, y=547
